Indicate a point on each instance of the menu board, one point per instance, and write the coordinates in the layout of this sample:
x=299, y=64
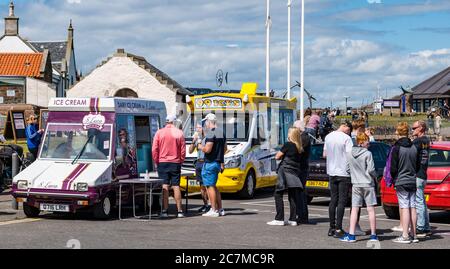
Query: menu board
x=19, y=124
x=43, y=119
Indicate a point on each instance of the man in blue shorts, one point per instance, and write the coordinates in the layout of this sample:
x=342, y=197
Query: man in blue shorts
x=214, y=149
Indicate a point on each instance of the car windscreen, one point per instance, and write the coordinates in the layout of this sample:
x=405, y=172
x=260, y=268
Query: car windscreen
x=439, y=158
x=66, y=141
x=316, y=152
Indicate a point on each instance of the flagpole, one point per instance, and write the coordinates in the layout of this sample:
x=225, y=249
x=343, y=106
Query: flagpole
x=268, y=25
x=289, y=51
x=302, y=62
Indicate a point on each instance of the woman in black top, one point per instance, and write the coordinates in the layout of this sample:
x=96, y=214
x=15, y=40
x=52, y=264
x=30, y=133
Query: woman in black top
x=289, y=177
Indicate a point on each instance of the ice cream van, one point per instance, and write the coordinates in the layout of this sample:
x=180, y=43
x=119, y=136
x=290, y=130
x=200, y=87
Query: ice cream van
x=88, y=146
x=255, y=127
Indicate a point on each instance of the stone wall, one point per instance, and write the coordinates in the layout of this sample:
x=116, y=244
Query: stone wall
x=19, y=94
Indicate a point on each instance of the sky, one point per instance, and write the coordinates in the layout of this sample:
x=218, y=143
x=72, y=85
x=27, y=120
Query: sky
x=352, y=47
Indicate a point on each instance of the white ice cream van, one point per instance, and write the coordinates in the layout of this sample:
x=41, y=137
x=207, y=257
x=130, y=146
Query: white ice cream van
x=88, y=146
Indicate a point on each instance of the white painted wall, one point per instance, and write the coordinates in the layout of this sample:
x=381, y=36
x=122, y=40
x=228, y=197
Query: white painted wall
x=14, y=44
x=121, y=72
x=39, y=92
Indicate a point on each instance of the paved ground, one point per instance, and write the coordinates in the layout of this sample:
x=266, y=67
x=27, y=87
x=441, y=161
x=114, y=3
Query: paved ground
x=243, y=227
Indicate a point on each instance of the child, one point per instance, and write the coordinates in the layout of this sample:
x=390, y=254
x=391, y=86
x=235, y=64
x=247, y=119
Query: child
x=362, y=170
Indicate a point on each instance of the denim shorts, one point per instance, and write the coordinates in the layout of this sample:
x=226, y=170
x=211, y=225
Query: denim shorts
x=210, y=173
x=198, y=172
x=406, y=199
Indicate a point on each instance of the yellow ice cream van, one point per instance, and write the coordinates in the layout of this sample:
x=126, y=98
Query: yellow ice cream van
x=255, y=127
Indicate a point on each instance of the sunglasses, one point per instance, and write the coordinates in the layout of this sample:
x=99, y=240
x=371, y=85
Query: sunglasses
x=414, y=128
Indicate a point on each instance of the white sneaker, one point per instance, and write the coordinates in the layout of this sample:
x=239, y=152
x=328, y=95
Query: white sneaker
x=292, y=223
x=359, y=231
x=276, y=223
x=211, y=213
x=180, y=215
x=222, y=212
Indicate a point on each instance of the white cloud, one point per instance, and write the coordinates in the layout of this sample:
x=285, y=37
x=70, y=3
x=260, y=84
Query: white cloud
x=191, y=40
x=74, y=1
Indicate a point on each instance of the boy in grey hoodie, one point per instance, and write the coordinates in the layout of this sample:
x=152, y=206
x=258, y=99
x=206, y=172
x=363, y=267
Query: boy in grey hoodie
x=363, y=175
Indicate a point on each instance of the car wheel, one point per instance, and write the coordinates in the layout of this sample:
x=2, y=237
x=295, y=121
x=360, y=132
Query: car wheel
x=248, y=190
x=391, y=212
x=31, y=211
x=103, y=210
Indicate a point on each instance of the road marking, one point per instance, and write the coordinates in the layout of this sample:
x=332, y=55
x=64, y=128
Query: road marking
x=18, y=221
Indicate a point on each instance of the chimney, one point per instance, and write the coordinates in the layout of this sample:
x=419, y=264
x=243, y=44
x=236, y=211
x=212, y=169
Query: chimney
x=70, y=30
x=11, y=22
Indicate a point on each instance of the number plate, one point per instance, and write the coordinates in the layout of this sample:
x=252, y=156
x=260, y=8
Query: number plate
x=54, y=208
x=427, y=197
x=317, y=184
x=193, y=183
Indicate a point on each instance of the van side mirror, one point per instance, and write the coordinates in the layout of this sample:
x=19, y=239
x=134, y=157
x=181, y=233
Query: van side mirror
x=256, y=142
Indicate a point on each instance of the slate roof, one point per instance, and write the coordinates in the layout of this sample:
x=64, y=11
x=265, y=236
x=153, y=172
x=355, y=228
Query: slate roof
x=162, y=77
x=57, y=51
x=21, y=64
x=434, y=87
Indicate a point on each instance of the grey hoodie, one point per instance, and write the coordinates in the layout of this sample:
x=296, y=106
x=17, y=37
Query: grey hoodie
x=361, y=167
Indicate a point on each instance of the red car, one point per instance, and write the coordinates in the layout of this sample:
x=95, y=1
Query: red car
x=437, y=191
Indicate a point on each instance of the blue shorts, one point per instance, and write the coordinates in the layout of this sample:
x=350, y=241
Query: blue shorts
x=210, y=174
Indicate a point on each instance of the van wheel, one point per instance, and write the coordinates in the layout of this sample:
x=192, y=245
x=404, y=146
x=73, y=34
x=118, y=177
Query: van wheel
x=391, y=212
x=31, y=211
x=103, y=209
x=248, y=190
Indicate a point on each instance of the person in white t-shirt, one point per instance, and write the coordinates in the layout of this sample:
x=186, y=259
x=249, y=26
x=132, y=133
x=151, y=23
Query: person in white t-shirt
x=337, y=145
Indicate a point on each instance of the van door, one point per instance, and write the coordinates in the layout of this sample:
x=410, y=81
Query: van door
x=263, y=152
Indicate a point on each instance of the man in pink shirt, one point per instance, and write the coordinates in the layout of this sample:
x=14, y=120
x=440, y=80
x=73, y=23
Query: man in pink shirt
x=312, y=125
x=169, y=152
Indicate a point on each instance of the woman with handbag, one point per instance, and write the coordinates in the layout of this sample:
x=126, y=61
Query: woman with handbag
x=288, y=178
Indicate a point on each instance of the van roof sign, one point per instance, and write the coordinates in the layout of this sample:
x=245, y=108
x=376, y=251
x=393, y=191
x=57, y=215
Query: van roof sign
x=105, y=104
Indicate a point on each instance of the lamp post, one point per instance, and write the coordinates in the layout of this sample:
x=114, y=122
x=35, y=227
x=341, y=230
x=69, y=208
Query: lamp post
x=289, y=51
x=268, y=25
x=346, y=106
x=302, y=62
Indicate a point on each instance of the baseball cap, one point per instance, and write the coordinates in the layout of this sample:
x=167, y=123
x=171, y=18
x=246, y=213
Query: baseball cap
x=210, y=117
x=171, y=118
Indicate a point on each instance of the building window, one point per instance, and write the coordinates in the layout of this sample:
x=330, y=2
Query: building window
x=426, y=104
x=416, y=105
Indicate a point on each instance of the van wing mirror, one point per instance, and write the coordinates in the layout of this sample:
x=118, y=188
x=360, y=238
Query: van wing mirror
x=256, y=142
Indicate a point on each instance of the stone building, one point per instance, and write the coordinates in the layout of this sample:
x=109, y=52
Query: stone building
x=62, y=53
x=128, y=75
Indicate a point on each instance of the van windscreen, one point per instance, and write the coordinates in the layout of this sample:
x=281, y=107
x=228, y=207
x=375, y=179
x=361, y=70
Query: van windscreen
x=65, y=142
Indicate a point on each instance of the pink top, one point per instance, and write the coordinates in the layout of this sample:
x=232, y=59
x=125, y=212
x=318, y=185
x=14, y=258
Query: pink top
x=314, y=122
x=169, y=146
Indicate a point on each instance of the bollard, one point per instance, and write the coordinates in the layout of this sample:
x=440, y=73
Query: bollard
x=15, y=170
x=15, y=164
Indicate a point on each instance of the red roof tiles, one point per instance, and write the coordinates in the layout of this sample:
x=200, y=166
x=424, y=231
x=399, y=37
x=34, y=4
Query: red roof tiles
x=20, y=64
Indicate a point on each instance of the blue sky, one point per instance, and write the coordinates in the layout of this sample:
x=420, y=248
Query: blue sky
x=352, y=46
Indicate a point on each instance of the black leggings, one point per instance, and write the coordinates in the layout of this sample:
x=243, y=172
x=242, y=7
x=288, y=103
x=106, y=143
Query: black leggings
x=293, y=196
x=34, y=153
x=339, y=187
